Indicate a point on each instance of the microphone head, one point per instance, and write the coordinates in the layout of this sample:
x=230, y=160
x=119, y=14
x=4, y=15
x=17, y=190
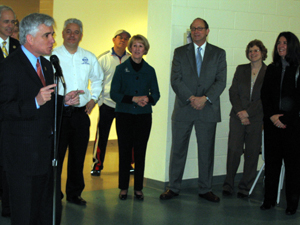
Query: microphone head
x=54, y=59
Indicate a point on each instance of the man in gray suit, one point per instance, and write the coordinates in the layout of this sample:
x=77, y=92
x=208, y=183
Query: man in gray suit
x=198, y=78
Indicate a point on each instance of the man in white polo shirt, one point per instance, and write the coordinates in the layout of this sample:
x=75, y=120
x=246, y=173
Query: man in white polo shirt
x=79, y=67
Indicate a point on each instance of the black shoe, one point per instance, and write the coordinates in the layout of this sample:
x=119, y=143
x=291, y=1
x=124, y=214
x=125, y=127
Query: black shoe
x=77, y=200
x=241, y=195
x=267, y=205
x=168, y=195
x=139, y=197
x=96, y=173
x=226, y=193
x=290, y=211
x=122, y=197
x=209, y=196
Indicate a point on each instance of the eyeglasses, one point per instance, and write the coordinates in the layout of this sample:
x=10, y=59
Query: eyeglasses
x=255, y=50
x=197, y=28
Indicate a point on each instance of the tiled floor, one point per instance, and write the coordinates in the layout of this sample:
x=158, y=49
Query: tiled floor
x=104, y=207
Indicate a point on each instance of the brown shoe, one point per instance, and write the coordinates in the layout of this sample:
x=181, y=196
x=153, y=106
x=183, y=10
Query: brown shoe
x=168, y=194
x=209, y=196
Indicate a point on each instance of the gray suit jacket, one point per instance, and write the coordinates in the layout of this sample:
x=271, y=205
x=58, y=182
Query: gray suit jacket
x=239, y=92
x=185, y=82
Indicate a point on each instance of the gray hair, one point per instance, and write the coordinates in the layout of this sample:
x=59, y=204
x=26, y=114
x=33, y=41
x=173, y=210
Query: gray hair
x=6, y=8
x=73, y=20
x=30, y=25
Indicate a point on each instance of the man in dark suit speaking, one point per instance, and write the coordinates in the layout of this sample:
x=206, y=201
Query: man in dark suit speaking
x=27, y=112
x=198, y=78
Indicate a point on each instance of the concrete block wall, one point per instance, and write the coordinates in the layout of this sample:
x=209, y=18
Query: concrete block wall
x=233, y=24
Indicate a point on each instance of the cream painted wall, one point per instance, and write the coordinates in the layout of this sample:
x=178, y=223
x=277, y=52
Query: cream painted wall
x=101, y=19
x=233, y=23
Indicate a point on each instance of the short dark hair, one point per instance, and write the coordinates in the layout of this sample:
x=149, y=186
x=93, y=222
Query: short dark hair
x=205, y=23
x=261, y=47
x=293, y=49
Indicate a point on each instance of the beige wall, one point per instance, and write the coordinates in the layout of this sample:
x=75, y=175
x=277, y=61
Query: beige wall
x=101, y=19
x=233, y=23
x=23, y=8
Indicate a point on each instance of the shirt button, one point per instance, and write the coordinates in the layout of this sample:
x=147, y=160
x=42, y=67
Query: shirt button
x=137, y=78
x=136, y=91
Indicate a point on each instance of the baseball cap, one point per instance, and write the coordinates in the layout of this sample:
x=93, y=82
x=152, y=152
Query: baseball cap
x=121, y=32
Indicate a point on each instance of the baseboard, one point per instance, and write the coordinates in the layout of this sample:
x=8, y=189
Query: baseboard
x=188, y=183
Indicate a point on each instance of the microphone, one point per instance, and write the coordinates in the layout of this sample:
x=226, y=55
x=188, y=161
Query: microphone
x=55, y=61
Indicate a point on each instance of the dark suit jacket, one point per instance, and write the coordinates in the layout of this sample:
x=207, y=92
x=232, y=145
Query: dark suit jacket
x=185, y=82
x=13, y=45
x=239, y=92
x=26, y=137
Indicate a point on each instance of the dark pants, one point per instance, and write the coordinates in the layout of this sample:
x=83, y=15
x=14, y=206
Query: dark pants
x=133, y=130
x=31, y=198
x=75, y=135
x=282, y=144
x=241, y=136
x=106, y=116
x=5, y=193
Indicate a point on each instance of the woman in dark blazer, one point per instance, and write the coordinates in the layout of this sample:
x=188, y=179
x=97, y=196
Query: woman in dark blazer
x=246, y=118
x=134, y=88
x=281, y=105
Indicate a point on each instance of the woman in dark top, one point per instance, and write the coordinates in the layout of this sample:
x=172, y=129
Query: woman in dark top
x=280, y=100
x=134, y=88
x=246, y=118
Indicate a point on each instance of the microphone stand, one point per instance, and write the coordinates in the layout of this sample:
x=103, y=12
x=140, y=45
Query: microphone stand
x=54, y=161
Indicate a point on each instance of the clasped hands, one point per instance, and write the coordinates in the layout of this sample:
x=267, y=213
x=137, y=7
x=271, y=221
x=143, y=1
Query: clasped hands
x=141, y=100
x=44, y=95
x=244, y=117
x=198, y=103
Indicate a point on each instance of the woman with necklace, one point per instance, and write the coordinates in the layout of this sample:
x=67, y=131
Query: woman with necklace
x=246, y=119
x=281, y=105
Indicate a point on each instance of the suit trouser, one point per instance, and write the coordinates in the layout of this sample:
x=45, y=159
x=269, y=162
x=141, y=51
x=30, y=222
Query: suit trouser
x=31, y=198
x=205, y=134
x=240, y=135
x=133, y=130
x=5, y=193
x=282, y=144
x=75, y=135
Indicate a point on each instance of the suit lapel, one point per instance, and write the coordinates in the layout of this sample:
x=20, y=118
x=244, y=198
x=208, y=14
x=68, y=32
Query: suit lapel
x=27, y=65
x=260, y=77
x=12, y=45
x=190, y=54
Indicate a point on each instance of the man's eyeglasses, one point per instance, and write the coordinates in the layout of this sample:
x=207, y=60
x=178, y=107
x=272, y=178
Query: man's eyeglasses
x=197, y=28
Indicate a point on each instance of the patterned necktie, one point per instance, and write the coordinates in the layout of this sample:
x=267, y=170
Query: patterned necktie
x=39, y=72
x=199, y=60
x=5, y=53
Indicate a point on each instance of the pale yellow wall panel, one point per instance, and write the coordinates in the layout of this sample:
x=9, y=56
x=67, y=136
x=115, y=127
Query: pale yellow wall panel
x=101, y=19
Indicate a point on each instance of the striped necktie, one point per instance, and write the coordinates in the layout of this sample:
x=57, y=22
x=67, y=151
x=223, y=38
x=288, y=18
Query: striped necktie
x=39, y=72
x=5, y=53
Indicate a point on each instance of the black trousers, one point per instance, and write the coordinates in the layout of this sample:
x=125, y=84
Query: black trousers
x=31, y=198
x=282, y=144
x=133, y=130
x=5, y=193
x=75, y=135
x=106, y=116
